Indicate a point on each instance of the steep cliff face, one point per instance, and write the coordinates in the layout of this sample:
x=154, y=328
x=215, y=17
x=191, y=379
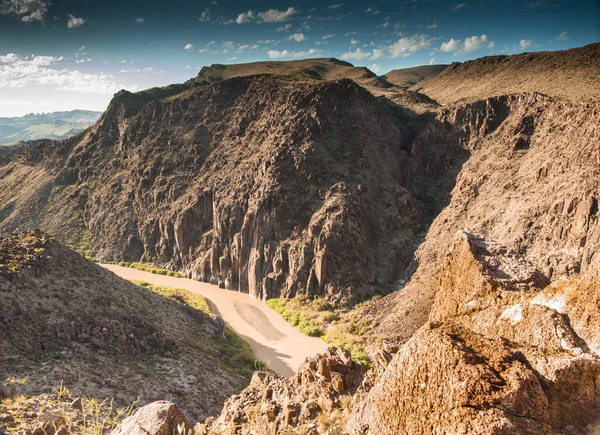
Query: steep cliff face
x=522, y=169
x=263, y=184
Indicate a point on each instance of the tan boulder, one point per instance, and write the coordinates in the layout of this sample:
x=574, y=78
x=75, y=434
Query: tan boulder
x=453, y=381
x=158, y=418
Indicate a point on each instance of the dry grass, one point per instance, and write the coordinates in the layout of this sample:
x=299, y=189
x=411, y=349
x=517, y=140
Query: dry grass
x=97, y=417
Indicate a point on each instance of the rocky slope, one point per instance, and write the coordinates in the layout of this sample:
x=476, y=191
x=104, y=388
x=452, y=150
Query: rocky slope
x=289, y=183
x=269, y=185
x=522, y=169
x=502, y=352
x=66, y=320
x=407, y=77
x=571, y=74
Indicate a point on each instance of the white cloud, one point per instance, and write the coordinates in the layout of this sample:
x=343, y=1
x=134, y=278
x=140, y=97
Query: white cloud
x=331, y=35
x=276, y=54
x=524, y=43
x=357, y=54
x=298, y=37
x=270, y=16
x=433, y=26
x=23, y=72
x=457, y=6
x=26, y=10
x=276, y=16
x=335, y=6
x=353, y=42
x=469, y=45
x=140, y=20
x=285, y=28
x=74, y=21
x=205, y=16
x=433, y=61
x=385, y=24
x=375, y=68
x=188, y=47
x=246, y=17
x=372, y=10
x=147, y=70
x=405, y=46
x=564, y=36
x=377, y=54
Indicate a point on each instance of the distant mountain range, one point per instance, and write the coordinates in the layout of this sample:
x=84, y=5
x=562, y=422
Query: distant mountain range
x=55, y=125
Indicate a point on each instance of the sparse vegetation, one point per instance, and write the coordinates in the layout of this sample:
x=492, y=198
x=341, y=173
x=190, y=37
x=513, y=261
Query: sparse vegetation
x=96, y=416
x=151, y=269
x=187, y=297
x=318, y=318
x=311, y=316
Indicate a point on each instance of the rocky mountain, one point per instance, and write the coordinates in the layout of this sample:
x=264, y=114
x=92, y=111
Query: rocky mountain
x=407, y=77
x=66, y=321
x=55, y=125
x=570, y=74
x=285, y=179
x=327, y=69
x=265, y=184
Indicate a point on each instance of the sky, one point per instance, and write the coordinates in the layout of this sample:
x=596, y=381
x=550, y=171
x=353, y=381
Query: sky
x=63, y=55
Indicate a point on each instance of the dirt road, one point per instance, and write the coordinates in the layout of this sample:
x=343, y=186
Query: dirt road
x=273, y=340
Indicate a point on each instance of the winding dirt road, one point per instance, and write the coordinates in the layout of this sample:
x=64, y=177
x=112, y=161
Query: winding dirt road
x=272, y=339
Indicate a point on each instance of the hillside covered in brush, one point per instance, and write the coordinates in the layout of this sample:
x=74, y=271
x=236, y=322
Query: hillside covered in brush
x=65, y=320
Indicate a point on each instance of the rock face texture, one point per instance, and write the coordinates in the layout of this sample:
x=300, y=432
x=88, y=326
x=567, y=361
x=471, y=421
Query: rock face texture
x=263, y=184
x=66, y=319
x=491, y=360
x=521, y=169
x=273, y=404
x=570, y=74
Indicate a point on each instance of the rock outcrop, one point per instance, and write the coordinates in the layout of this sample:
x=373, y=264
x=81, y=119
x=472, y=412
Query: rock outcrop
x=491, y=360
x=521, y=169
x=303, y=404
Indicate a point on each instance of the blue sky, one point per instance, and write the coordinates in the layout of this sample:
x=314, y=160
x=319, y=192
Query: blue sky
x=60, y=55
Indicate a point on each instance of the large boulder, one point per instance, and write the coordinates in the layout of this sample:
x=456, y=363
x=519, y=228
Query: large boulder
x=158, y=418
x=450, y=380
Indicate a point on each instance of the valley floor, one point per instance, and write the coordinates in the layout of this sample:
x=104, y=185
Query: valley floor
x=281, y=346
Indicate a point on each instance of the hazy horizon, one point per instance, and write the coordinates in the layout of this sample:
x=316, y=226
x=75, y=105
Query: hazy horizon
x=66, y=56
